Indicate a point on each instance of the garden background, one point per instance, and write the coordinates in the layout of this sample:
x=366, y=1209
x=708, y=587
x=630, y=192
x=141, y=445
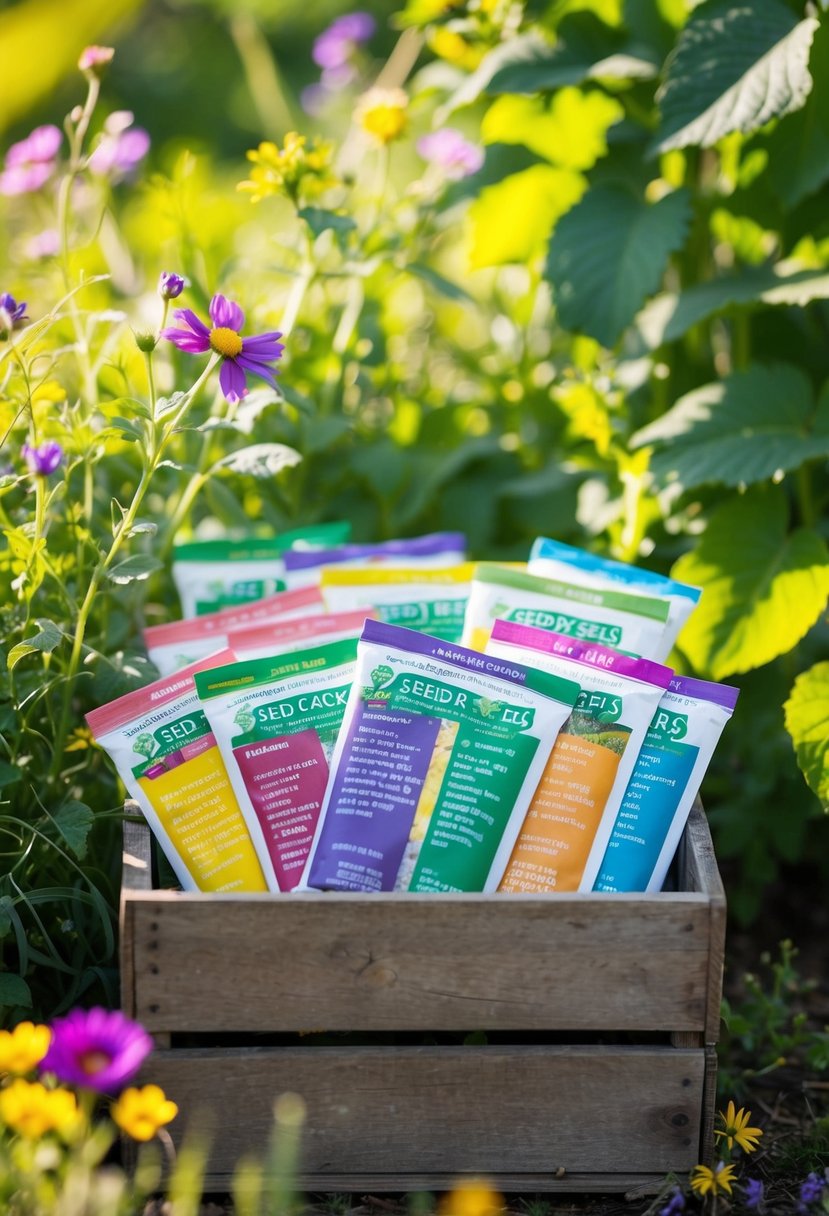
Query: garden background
x=610, y=328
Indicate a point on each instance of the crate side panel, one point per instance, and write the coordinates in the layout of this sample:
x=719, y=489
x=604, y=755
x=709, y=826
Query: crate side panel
x=452, y=1110
x=205, y=964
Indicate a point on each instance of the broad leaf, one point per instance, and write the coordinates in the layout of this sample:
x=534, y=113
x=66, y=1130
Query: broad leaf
x=807, y=721
x=74, y=821
x=799, y=146
x=512, y=220
x=734, y=67
x=45, y=641
x=139, y=566
x=14, y=990
x=737, y=431
x=570, y=131
x=10, y=774
x=609, y=254
x=260, y=460
x=763, y=587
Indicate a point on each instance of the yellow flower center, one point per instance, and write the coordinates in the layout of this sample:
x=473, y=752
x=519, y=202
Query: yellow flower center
x=93, y=1062
x=226, y=342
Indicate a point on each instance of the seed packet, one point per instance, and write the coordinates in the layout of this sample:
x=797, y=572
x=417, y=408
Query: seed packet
x=280, y=637
x=669, y=770
x=429, y=601
x=161, y=744
x=435, y=550
x=633, y=623
x=553, y=559
x=571, y=816
x=213, y=574
x=440, y=751
x=179, y=643
x=275, y=721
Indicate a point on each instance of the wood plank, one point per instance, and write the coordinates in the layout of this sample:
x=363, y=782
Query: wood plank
x=408, y=962
x=634, y=1186
x=701, y=874
x=136, y=859
x=448, y=1111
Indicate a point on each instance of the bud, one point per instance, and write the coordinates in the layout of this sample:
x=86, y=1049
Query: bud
x=12, y=315
x=146, y=342
x=94, y=59
x=44, y=459
x=170, y=285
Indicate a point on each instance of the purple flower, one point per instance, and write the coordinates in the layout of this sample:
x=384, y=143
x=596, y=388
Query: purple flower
x=44, y=459
x=30, y=162
x=239, y=355
x=753, y=1193
x=170, y=285
x=12, y=314
x=45, y=244
x=121, y=148
x=336, y=44
x=675, y=1204
x=811, y=1190
x=97, y=1049
x=93, y=58
x=448, y=149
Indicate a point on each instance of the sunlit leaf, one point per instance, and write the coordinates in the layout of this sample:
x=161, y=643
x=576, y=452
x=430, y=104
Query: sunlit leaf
x=763, y=586
x=139, y=566
x=734, y=67
x=44, y=641
x=512, y=220
x=570, y=130
x=609, y=254
x=260, y=460
x=807, y=721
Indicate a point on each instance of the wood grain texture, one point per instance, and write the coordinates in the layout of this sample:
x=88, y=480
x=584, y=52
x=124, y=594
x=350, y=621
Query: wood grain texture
x=447, y=1111
x=634, y=1186
x=700, y=873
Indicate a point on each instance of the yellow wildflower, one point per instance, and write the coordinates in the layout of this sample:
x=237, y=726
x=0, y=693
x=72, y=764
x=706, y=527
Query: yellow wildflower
x=707, y=1181
x=382, y=114
x=32, y=1110
x=141, y=1112
x=472, y=1198
x=23, y=1048
x=80, y=739
x=735, y=1128
x=299, y=165
x=450, y=45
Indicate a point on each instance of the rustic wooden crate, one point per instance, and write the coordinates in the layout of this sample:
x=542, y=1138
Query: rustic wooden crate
x=601, y=1012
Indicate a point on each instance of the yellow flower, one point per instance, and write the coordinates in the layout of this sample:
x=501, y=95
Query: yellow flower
x=297, y=165
x=382, y=114
x=450, y=45
x=23, y=1048
x=735, y=1128
x=32, y=1110
x=80, y=739
x=472, y=1198
x=707, y=1181
x=141, y=1112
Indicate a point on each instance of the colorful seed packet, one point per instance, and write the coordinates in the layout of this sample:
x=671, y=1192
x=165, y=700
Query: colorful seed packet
x=281, y=637
x=435, y=550
x=429, y=601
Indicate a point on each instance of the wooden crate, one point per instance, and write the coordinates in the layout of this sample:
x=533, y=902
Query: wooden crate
x=601, y=1014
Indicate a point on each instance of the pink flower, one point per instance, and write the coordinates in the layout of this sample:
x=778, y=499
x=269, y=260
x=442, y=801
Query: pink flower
x=452, y=152
x=121, y=148
x=94, y=57
x=97, y=1049
x=31, y=162
x=239, y=355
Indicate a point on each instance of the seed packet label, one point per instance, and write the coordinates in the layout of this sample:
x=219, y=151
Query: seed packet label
x=166, y=754
x=669, y=769
x=574, y=807
x=276, y=721
x=633, y=623
x=440, y=753
x=433, y=551
x=429, y=601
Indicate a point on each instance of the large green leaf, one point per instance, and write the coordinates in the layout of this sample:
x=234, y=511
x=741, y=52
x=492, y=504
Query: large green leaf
x=609, y=253
x=570, y=130
x=763, y=587
x=74, y=821
x=807, y=721
x=670, y=315
x=512, y=220
x=45, y=640
x=799, y=146
x=14, y=990
x=734, y=67
x=737, y=431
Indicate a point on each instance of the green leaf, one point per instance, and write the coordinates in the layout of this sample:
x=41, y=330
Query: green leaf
x=734, y=67
x=533, y=200
x=609, y=253
x=14, y=990
x=799, y=146
x=320, y=220
x=140, y=565
x=126, y=429
x=807, y=721
x=669, y=316
x=6, y=910
x=168, y=405
x=737, y=431
x=570, y=130
x=763, y=587
x=10, y=774
x=445, y=287
x=74, y=821
x=44, y=641
x=260, y=460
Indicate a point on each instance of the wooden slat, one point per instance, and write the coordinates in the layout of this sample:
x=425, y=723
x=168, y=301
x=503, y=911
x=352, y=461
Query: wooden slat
x=207, y=963
x=447, y=1111
x=136, y=875
x=634, y=1186
x=700, y=873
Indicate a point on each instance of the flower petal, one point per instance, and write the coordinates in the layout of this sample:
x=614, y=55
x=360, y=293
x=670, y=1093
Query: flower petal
x=226, y=314
x=195, y=323
x=186, y=340
x=257, y=369
x=232, y=381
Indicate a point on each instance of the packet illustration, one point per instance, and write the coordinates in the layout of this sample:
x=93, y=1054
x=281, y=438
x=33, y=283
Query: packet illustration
x=573, y=810
x=434, y=550
x=429, y=601
x=439, y=754
x=161, y=744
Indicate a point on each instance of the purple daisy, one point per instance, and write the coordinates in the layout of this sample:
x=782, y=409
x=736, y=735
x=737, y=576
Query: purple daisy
x=31, y=162
x=239, y=355
x=12, y=314
x=44, y=459
x=336, y=44
x=170, y=285
x=97, y=1049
